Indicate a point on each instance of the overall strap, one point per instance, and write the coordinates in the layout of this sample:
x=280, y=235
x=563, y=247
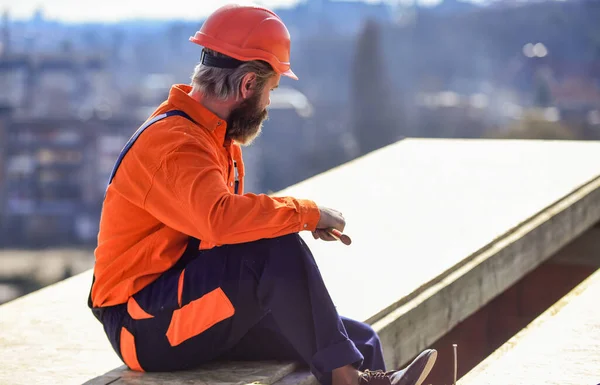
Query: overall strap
x=193, y=243
x=143, y=128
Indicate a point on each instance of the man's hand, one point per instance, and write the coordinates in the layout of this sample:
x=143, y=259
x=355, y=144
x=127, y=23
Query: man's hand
x=330, y=218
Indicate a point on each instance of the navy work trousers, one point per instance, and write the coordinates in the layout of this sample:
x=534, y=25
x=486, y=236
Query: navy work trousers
x=253, y=301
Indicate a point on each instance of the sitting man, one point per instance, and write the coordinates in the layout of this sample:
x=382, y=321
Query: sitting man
x=189, y=269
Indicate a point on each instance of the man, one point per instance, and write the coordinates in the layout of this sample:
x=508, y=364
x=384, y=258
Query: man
x=190, y=269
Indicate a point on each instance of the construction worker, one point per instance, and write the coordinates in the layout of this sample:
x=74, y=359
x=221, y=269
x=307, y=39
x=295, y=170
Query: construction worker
x=189, y=268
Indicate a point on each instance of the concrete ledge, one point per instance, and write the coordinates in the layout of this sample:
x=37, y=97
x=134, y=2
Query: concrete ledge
x=561, y=347
x=415, y=322
x=230, y=373
x=438, y=306
x=50, y=336
x=439, y=228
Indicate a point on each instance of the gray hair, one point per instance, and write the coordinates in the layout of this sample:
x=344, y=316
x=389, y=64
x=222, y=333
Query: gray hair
x=224, y=83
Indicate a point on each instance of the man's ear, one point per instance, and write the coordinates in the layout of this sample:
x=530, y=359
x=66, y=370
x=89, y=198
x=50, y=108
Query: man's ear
x=247, y=85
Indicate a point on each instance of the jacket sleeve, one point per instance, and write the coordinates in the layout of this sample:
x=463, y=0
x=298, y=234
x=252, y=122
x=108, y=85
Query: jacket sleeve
x=189, y=193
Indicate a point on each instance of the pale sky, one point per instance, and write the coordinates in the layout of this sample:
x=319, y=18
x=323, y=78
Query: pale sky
x=114, y=10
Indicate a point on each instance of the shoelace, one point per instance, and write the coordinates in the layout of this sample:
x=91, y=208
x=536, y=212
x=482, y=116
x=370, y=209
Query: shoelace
x=374, y=374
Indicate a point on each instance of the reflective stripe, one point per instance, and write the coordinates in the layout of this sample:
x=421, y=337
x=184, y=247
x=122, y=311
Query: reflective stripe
x=128, y=351
x=236, y=176
x=180, y=287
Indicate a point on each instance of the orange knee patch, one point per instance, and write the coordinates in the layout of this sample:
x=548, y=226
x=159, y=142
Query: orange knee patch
x=198, y=316
x=128, y=351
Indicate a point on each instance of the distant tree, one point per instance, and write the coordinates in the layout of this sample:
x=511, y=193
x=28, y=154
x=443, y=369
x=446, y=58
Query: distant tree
x=66, y=46
x=373, y=114
x=91, y=39
x=542, y=94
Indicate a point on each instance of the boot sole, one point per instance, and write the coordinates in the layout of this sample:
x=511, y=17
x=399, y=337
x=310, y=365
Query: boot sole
x=427, y=368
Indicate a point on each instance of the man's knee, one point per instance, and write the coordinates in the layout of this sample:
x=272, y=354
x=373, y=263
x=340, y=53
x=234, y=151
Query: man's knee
x=285, y=241
x=373, y=336
x=361, y=332
x=285, y=245
x=285, y=255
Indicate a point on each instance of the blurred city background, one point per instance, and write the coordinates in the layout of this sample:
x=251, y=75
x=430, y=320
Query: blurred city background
x=74, y=87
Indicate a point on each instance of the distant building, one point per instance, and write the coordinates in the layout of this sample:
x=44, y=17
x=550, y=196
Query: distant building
x=59, y=138
x=53, y=177
x=576, y=92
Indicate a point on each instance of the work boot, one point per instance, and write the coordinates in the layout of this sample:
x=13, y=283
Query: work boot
x=413, y=374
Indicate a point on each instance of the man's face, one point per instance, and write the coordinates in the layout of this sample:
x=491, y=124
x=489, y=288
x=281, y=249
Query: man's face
x=245, y=121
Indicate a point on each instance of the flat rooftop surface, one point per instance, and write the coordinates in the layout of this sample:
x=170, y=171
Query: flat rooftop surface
x=420, y=207
x=416, y=210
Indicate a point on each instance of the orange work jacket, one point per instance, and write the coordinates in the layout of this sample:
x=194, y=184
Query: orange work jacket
x=177, y=181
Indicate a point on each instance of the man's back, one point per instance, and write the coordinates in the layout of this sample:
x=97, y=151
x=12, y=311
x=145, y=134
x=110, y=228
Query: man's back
x=134, y=246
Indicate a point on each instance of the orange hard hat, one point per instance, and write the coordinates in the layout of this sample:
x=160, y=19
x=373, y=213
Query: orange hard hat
x=247, y=33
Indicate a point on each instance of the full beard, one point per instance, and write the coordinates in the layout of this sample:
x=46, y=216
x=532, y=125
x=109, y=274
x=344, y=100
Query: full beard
x=245, y=121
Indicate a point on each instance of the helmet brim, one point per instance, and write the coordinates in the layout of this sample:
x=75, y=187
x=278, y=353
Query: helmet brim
x=290, y=74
